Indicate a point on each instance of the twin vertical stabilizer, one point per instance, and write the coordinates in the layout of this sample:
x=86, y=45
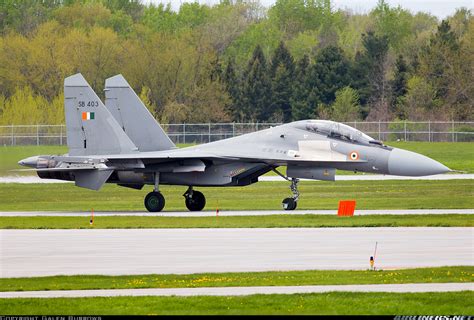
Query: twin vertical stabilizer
x=123, y=125
x=91, y=128
x=134, y=118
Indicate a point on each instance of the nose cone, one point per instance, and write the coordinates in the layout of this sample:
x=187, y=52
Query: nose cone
x=29, y=162
x=407, y=163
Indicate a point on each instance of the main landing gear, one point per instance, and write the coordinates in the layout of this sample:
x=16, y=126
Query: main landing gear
x=194, y=200
x=155, y=202
x=292, y=202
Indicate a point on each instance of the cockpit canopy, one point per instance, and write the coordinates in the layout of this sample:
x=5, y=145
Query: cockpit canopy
x=339, y=131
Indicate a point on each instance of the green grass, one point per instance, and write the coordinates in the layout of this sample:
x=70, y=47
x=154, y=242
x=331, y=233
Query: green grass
x=270, y=221
x=235, y=279
x=390, y=194
x=452, y=303
x=455, y=155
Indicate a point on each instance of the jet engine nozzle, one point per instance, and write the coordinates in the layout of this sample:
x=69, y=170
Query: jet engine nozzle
x=407, y=163
x=35, y=162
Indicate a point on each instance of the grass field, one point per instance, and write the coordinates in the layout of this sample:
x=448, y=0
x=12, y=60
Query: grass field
x=270, y=221
x=455, y=155
x=452, y=303
x=273, y=278
x=391, y=194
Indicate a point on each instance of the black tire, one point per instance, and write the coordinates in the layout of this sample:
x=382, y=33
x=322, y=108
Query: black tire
x=289, y=204
x=154, y=202
x=195, y=203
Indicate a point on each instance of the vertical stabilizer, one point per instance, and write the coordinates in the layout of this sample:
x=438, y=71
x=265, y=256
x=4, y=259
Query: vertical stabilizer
x=134, y=118
x=91, y=129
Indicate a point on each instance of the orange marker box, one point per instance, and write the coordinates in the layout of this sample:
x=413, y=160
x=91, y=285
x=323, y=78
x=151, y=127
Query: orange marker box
x=346, y=208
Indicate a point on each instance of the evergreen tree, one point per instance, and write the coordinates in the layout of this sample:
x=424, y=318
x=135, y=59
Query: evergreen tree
x=330, y=73
x=232, y=85
x=368, y=73
x=399, y=83
x=281, y=71
x=300, y=108
x=256, y=89
x=439, y=56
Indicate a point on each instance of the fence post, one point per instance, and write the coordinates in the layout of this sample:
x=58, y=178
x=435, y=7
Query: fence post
x=12, y=133
x=379, y=131
x=184, y=133
x=405, y=129
x=452, y=128
x=37, y=135
x=233, y=129
x=61, y=136
x=209, y=132
x=429, y=130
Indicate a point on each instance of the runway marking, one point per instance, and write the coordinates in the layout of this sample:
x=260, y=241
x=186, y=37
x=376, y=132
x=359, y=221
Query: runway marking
x=243, y=291
x=29, y=253
x=231, y=213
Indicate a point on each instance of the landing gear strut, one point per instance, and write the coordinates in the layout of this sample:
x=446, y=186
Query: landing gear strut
x=290, y=203
x=154, y=201
x=194, y=200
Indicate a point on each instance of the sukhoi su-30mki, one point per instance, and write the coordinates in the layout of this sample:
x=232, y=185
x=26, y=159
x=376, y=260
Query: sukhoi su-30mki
x=120, y=142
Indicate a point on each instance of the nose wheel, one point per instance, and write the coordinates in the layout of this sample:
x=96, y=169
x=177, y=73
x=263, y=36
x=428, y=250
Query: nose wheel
x=290, y=203
x=194, y=200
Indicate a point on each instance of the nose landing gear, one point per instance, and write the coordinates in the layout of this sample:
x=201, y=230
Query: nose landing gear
x=291, y=203
x=194, y=200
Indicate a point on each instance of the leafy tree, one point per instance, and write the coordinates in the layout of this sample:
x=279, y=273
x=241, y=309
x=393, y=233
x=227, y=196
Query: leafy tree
x=420, y=102
x=393, y=23
x=346, y=106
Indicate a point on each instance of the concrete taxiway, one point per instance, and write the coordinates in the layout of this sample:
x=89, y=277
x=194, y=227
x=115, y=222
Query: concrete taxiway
x=228, y=213
x=242, y=291
x=27, y=253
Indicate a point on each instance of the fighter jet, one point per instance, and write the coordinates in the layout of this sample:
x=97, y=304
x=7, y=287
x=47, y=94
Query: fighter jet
x=120, y=142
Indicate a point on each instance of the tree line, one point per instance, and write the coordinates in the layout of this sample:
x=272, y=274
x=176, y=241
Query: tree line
x=239, y=61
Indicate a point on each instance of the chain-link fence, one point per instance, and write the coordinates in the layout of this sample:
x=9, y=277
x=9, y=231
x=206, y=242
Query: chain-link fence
x=192, y=133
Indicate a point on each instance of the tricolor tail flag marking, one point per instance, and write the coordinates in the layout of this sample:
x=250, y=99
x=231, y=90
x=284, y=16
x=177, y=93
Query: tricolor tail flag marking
x=88, y=115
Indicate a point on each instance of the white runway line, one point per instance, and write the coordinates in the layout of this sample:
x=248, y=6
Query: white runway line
x=229, y=213
x=243, y=291
x=355, y=177
x=29, y=253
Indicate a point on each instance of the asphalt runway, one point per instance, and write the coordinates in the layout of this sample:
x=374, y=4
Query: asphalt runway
x=360, y=176
x=28, y=253
x=228, y=213
x=242, y=291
